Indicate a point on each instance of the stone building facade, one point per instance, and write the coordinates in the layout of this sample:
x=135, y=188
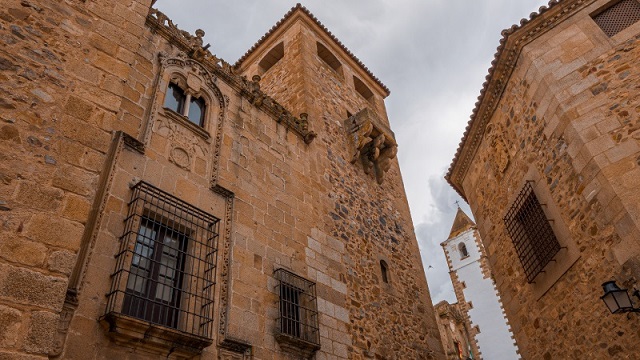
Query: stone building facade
x=157, y=201
x=475, y=289
x=551, y=153
x=454, y=331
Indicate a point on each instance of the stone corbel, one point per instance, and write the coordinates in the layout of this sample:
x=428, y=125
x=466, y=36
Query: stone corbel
x=372, y=143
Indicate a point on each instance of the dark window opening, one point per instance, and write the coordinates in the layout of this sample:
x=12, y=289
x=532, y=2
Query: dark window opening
x=196, y=111
x=193, y=108
x=384, y=270
x=618, y=16
x=298, y=308
x=362, y=89
x=175, y=98
x=272, y=57
x=463, y=250
x=531, y=233
x=154, y=286
x=166, y=267
x=328, y=58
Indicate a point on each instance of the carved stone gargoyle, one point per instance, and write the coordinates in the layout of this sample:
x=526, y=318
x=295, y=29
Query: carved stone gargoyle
x=372, y=143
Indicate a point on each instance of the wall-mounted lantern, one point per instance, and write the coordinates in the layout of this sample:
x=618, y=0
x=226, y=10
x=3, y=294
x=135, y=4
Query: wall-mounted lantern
x=618, y=300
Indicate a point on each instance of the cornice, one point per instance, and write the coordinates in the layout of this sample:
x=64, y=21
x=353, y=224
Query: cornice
x=192, y=47
x=505, y=60
x=317, y=22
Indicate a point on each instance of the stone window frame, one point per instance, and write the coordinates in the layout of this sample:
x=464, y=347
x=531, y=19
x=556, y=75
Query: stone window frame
x=193, y=85
x=296, y=295
x=193, y=329
x=569, y=252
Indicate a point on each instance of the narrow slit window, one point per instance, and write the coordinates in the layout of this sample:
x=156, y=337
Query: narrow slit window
x=384, y=270
x=462, y=247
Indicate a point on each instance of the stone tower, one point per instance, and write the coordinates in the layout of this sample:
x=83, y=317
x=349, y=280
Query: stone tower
x=157, y=201
x=476, y=292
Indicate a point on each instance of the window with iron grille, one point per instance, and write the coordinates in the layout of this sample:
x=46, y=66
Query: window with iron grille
x=298, y=309
x=531, y=233
x=618, y=16
x=166, y=267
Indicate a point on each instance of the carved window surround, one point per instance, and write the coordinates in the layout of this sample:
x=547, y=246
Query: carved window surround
x=372, y=143
x=186, y=123
x=191, y=46
x=125, y=330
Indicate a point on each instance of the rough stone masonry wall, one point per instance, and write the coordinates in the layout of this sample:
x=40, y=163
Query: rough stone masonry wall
x=395, y=320
x=358, y=223
x=74, y=72
x=69, y=75
x=569, y=111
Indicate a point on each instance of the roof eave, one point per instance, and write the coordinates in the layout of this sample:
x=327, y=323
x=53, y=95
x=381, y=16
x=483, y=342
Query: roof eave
x=513, y=41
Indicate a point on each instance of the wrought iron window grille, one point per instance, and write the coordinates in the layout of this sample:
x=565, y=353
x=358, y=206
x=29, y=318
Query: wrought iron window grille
x=166, y=266
x=532, y=235
x=298, y=309
x=618, y=16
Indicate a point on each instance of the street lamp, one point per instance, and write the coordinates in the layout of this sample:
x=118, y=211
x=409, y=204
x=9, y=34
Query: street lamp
x=618, y=300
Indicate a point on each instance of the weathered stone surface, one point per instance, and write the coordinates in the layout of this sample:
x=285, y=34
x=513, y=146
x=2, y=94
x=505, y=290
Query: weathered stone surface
x=42, y=331
x=274, y=152
x=29, y=287
x=55, y=231
x=62, y=261
x=567, y=119
x=10, y=320
x=22, y=251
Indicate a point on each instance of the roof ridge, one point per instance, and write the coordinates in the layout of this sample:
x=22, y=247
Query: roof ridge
x=324, y=28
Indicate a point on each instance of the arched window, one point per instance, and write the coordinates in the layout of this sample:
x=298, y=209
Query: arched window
x=329, y=58
x=463, y=250
x=271, y=58
x=191, y=107
x=384, y=269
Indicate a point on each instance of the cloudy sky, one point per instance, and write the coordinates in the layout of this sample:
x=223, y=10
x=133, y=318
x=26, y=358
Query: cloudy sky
x=432, y=54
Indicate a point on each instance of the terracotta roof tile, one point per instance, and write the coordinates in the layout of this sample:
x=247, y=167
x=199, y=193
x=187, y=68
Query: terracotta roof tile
x=335, y=39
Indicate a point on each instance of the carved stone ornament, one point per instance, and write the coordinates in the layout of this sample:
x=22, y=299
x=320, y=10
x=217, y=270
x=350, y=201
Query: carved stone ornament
x=180, y=157
x=501, y=153
x=372, y=143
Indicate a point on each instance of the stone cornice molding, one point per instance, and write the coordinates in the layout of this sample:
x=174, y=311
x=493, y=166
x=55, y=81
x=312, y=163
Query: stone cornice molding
x=191, y=45
x=513, y=41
